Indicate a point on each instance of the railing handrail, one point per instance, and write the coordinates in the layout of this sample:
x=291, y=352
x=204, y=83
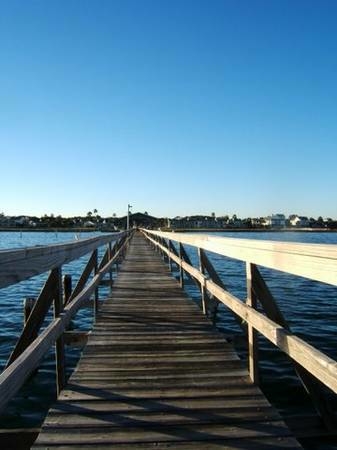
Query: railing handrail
x=314, y=261
x=12, y=378
x=20, y=264
x=315, y=362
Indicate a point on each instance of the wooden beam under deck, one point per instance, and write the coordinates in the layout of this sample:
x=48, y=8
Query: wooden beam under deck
x=156, y=374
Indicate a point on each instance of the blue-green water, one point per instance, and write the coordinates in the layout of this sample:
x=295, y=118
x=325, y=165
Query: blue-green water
x=309, y=307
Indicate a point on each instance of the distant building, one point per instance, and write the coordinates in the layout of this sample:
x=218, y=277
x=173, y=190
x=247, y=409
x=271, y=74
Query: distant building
x=21, y=221
x=275, y=221
x=235, y=222
x=5, y=221
x=299, y=221
x=191, y=222
x=257, y=222
x=89, y=224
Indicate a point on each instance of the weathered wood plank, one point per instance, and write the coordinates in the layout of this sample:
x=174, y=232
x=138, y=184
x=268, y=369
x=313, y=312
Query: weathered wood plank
x=157, y=433
x=77, y=393
x=161, y=404
x=201, y=416
x=225, y=444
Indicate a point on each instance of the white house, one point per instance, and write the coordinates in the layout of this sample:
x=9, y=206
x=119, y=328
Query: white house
x=89, y=224
x=299, y=221
x=275, y=221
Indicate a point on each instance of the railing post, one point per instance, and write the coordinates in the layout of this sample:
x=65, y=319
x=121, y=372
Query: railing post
x=253, y=358
x=110, y=271
x=169, y=257
x=59, y=345
x=165, y=245
x=180, y=266
x=124, y=247
x=311, y=384
x=117, y=259
x=161, y=250
x=95, y=253
x=202, y=288
x=28, y=305
x=174, y=251
x=67, y=288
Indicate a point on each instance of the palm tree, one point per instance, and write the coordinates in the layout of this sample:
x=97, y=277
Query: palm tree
x=97, y=216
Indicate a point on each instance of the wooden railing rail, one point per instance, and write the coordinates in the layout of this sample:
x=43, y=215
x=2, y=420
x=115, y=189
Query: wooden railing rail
x=21, y=264
x=314, y=261
x=318, y=262
x=32, y=346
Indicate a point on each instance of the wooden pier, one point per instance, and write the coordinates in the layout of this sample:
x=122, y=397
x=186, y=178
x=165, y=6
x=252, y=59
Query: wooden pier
x=156, y=374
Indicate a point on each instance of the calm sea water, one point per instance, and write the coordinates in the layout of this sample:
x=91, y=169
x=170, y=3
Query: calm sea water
x=310, y=308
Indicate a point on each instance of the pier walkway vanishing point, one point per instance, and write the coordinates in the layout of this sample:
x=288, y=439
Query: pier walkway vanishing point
x=156, y=374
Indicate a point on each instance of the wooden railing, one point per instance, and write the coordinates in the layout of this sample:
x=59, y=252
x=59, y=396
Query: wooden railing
x=33, y=344
x=317, y=262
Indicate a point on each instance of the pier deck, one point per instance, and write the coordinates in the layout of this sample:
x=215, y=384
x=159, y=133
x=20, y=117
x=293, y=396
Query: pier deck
x=156, y=374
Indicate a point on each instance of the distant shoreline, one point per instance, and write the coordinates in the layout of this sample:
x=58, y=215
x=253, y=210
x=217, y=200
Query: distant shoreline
x=251, y=230
x=169, y=230
x=55, y=230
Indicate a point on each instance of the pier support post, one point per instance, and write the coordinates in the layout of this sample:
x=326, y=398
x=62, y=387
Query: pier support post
x=169, y=257
x=180, y=266
x=59, y=345
x=251, y=301
x=110, y=254
x=163, y=243
x=67, y=288
x=174, y=251
x=95, y=254
x=202, y=288
x=28, y=305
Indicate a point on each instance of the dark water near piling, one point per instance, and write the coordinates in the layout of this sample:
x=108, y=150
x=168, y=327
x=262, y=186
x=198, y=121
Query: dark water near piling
x=310, y=308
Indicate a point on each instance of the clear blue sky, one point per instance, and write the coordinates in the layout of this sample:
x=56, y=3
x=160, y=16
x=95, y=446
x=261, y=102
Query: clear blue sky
x=175, y=106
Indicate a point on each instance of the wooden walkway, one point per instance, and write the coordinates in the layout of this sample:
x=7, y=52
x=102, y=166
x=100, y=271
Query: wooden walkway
x=155, y=374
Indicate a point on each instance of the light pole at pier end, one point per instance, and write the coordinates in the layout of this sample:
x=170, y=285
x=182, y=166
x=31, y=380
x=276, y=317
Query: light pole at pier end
x=128, y=218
